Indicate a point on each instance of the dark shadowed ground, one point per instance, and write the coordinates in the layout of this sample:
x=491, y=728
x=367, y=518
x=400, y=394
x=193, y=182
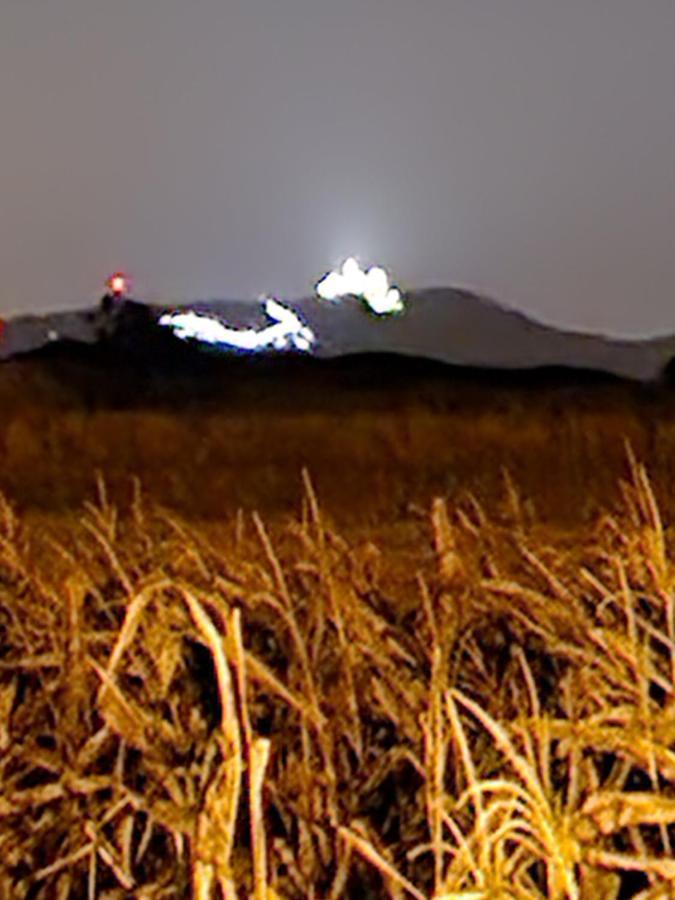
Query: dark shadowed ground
x=209, y=435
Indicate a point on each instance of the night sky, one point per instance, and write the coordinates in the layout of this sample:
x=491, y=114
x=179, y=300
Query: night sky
x=522, y=148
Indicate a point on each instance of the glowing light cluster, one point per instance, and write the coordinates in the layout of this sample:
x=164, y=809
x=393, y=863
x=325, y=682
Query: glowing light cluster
x=288, y=330
x=372, y=286
x=118, y=284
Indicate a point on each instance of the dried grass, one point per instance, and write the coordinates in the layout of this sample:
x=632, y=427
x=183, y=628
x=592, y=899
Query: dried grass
x=275, y=714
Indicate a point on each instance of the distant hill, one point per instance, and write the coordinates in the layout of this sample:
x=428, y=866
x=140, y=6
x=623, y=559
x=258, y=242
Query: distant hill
x=437, y=400
x=447, y=326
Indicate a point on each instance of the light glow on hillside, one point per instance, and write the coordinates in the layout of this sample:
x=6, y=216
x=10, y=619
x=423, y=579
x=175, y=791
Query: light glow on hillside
x=118, y=284
x=287, y=331
x=372, y=286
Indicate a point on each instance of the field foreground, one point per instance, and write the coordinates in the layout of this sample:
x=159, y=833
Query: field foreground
x=451, y=675
x=482, y=707
x=379, y=435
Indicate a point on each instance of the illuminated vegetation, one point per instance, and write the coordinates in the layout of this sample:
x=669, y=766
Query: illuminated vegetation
x=243, y=710
x=371, y=286
x=286, y=331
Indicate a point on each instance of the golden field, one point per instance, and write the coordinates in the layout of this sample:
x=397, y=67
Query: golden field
x=344, y=639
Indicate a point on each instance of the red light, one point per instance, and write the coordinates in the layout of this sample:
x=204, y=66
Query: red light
x=117, y=284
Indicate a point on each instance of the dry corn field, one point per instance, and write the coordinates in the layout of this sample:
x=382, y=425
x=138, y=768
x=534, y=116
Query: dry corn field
x=236, y=710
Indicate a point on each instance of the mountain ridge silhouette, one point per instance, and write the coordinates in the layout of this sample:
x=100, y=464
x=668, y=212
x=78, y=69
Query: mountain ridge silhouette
x=451, y=326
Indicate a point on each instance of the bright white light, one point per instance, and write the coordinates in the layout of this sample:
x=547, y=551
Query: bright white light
x=377, y=282
x=288, y=330
x=371, y=286
x=331, y=287
x=354, y=277
x=391, y=302
x=117, y=284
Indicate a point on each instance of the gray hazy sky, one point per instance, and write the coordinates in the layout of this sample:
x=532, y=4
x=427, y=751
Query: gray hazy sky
x=523, y=148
